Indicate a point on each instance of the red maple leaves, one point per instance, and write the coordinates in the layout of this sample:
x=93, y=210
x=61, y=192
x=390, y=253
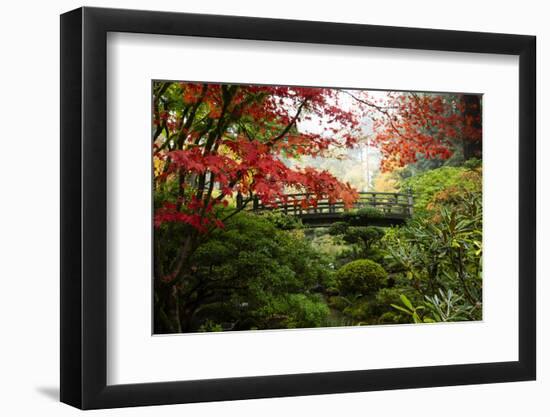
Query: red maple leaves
x=410, y=124
x=232, y=139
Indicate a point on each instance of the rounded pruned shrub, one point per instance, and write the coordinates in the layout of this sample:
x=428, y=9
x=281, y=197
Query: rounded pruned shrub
x=361, y=277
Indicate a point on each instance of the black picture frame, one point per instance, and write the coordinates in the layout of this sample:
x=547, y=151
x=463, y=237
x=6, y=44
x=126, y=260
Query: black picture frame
x=84, y=207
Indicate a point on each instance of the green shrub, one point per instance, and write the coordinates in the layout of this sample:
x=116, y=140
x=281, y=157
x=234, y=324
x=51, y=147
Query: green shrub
x=388, y=296
x=365, y=238
x=473, y=163
x=359, y=216
x=210, y=326
x=361, y=277
x=359, y=312
x=306, y=311
x=282, y=221
x=384, y=299
x=296, y=311
x=443, y=252
x=329, y=284
x=338, y=303
x=378, y=256
x=392, y=318
x=370, y=212
x=252, y=274
x=338, y=228
x=428, y=184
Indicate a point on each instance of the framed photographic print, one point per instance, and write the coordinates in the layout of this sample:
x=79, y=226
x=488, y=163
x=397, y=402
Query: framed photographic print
x=256, y=208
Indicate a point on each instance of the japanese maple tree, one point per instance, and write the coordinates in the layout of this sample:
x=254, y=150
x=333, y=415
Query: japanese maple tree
x=214, y=144
x=408, y=125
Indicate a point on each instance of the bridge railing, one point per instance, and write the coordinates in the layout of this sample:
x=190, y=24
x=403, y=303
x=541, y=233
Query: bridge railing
x=388, y=204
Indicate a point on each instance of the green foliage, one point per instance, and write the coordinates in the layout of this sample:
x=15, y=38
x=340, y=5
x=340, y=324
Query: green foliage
x=473, y=163
x=374, y=308
x=279, y=280
x=283, y=221
x=360, y=277
x=416, y=313
x=427, y=184
x=267, y=271
x=359, y=311
x=366, y=235
x=338, y=228
x=363, y=239
x=369, y=213
x=338, y=302
x=380, y=305
x=441, y=256
x=296, y=311
x=441, y=307
x=330, y=247
x=448, y=306
x=254, y=275
x=389, y=317
x=359, y=216
x=210, y=326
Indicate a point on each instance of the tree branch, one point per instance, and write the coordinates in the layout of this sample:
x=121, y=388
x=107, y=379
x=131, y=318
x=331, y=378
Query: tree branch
x=272, y=141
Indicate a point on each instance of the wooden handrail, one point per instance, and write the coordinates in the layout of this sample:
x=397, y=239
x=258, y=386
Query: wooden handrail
x=388, y=203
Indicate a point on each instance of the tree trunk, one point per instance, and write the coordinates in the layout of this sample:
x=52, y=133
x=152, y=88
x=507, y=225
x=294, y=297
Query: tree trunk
x=166, y=319
x=472, y=120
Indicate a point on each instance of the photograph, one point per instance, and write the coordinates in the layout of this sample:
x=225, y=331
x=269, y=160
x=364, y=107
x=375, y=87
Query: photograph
x=297, y=207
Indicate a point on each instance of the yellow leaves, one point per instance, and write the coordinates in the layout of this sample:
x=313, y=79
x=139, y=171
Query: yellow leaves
x=158, y=166
x=387, y=182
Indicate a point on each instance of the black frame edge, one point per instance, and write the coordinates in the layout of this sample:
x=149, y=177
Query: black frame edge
x=94, y=208
x=70, y=232
x=528, y=207
x=83, y=204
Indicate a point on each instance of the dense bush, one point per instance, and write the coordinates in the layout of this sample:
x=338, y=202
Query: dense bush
x=251, y=275
x=297, y=311
x=363, y=235
x=441, y=255
x=381, y=305
x=338, y=302
x=360, y=216
x=362, y=241
x=283, y=221
x=360, y=277
x=373, y=308
x=359, y=312
x=426, y=185
x=390, y=317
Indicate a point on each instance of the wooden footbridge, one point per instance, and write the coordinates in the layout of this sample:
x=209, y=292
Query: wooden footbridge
x=388, y=209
